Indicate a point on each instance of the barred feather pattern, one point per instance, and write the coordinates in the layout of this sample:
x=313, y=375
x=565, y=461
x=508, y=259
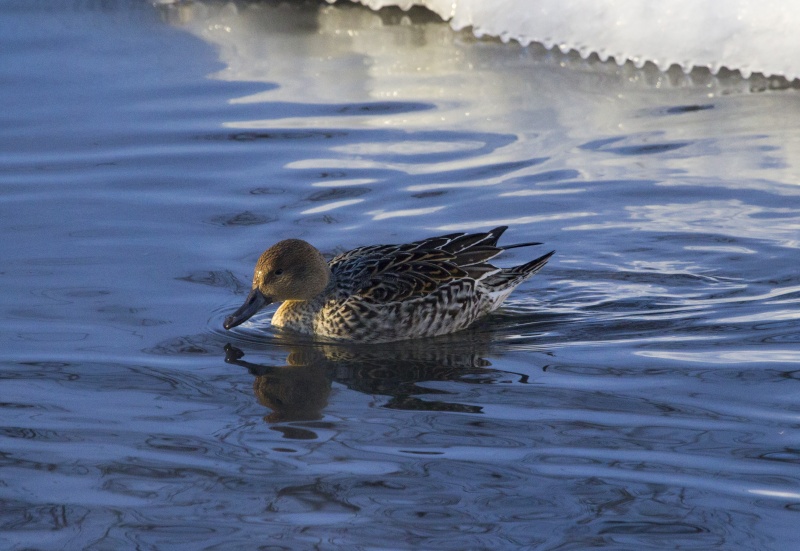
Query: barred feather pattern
x=384, y=293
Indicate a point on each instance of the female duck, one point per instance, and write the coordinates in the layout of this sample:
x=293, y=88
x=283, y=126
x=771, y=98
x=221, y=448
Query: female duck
x=384, y=293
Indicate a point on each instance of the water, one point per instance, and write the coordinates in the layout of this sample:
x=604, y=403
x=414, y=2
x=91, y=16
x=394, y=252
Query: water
x=639, y=393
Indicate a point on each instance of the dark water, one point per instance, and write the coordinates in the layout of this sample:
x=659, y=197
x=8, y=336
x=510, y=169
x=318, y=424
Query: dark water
x=641, y=392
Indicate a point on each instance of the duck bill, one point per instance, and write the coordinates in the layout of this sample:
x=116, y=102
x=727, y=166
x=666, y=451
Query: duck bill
x=254, y=302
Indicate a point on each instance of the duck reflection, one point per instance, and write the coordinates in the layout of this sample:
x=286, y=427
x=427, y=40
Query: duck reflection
x=299, y=390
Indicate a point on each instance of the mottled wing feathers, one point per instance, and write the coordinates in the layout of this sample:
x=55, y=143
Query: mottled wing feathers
x=434, y=242
x=464, y=242
x=360, y=252
x=404, y=275
x=394, y=273
x=409, y=278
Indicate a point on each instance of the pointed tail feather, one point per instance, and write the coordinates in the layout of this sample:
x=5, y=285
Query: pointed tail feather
x=529, y=268
x=509, y=278
x=518, y=245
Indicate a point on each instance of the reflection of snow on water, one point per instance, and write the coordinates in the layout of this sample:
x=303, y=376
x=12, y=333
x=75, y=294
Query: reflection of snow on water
x=407, y=73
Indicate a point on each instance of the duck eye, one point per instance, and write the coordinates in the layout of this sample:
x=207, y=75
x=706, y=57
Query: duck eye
x=278, y=272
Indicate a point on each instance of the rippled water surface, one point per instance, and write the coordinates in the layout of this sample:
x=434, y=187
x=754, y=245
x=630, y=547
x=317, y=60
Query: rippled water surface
x=641, y=392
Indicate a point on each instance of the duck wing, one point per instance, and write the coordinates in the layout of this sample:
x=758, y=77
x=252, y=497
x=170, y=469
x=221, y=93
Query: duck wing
x=395, y=273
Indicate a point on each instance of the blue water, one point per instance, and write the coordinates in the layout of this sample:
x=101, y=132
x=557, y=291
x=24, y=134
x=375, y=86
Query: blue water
x=641, y=392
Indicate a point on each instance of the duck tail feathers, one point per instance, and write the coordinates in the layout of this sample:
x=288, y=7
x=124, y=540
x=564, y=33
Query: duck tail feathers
x=508, y=278
x=518, y=245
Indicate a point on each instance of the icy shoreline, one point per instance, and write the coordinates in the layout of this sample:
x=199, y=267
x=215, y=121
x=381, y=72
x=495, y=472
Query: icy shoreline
x=740, y=35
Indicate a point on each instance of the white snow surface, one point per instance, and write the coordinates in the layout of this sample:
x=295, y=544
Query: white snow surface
x=751, y=36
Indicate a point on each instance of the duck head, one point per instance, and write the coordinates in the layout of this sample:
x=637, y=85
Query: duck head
x=289, y=270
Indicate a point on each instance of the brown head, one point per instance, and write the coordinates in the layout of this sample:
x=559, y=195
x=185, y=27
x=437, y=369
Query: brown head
x=289, y=270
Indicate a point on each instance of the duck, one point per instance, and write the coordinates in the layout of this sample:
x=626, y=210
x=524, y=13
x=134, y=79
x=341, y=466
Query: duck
x=385, y=293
